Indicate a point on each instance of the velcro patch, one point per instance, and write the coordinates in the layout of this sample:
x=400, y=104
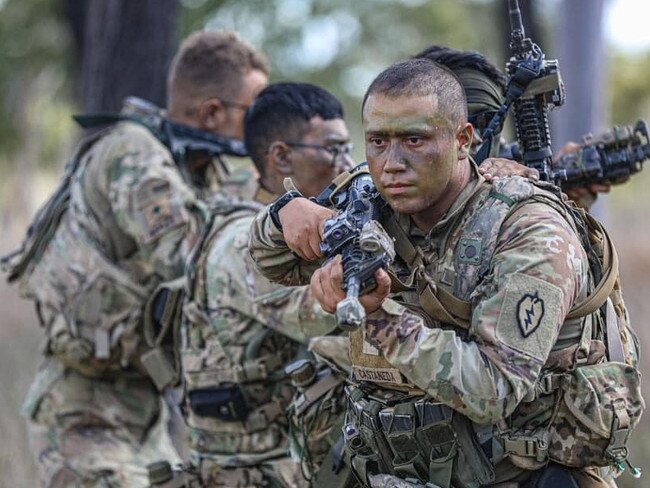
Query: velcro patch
x=377, y=375
x=358, y=354
x=158, y=209
x=470, y=251
x=528, y=316
x=368, y=348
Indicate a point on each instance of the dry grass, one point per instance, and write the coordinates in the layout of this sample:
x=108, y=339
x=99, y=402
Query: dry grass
x=20, y=337
x=19, y=356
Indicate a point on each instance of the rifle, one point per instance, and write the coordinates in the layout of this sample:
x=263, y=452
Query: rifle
x=362, y=242
x=534, y=87
x=180, y=139
x=610, y=158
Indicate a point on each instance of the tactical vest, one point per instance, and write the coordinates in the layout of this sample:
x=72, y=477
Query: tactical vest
x=390, y=434
x=236, y=391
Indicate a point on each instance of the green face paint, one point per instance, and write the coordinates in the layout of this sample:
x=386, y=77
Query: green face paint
x=412, y=153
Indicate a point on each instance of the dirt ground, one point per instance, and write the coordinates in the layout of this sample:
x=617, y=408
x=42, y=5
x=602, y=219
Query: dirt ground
x=20, y=335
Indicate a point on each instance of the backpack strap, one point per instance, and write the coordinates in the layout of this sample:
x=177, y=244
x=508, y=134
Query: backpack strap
x=46, y=221
x=166, y=306
x=610, y=273
x=436, y=301
x=442, y=305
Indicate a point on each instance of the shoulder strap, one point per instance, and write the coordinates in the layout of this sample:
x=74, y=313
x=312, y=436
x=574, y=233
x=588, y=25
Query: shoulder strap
x=444, y=306
x=437, y=302
x=610, y=272
x=47, y=218
x=229, y=211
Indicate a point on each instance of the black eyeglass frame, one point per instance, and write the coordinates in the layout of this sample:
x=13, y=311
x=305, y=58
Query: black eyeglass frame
x=229, y=103
x=336, y=150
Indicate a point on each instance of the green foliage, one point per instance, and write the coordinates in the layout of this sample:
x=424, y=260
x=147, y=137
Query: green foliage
x=630, y=93
x=33, y=67
x=342, y=45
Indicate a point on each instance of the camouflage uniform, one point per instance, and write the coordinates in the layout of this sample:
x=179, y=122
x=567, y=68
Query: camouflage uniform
x=240, y=331
x=95, y=418
x=521, y=280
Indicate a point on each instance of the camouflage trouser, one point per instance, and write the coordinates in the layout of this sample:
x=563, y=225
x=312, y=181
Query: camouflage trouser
x=282, y=472
x=91, y=433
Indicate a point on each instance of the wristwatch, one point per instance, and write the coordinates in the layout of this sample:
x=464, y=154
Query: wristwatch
x=279, y=205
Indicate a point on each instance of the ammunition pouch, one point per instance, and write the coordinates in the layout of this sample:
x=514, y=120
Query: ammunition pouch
x=315, y=418
x=162, y=322
x=226, y=403
x=415, y=439
x=597, y=407
x=162, y=475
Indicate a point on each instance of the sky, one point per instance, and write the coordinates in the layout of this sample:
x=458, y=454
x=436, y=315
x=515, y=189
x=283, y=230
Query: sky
x=627, y=24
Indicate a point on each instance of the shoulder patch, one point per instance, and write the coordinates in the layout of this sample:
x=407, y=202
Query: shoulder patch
x=158, y=209
x=529, y=315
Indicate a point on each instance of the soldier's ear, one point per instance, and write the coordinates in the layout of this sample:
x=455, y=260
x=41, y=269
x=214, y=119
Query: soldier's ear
x=211, y=115
x=279, y=157
x=464, y=138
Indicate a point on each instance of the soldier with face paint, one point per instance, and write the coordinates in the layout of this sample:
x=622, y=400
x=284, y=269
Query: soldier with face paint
x=445, y=385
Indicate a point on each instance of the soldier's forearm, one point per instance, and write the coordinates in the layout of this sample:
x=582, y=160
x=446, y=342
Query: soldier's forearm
x=452, y=371
x=272, y=257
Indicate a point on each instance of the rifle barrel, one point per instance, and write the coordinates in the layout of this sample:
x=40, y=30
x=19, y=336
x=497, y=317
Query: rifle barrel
x=515, y=17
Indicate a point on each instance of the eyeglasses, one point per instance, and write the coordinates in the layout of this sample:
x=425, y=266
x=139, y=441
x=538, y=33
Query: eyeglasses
x=229, y=103
x=337, y=151
x=238, y=105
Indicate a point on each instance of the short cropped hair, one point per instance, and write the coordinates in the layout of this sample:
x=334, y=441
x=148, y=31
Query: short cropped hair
x=455, y=60
x=212, y=63
x=282, y=112
x=421, y=77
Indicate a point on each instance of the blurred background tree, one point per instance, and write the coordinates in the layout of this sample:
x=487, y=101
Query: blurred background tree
x=121, y=48
x=61, y=56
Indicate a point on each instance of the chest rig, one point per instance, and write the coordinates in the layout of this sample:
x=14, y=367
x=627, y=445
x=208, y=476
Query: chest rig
x=234, y=397
x=440, y=282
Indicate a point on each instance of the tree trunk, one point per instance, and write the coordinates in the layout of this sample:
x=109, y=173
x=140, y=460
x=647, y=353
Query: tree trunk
x=580, y=52
x=126, y=49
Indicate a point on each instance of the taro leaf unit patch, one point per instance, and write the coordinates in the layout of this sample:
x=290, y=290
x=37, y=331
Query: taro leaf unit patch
x=530, y=310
